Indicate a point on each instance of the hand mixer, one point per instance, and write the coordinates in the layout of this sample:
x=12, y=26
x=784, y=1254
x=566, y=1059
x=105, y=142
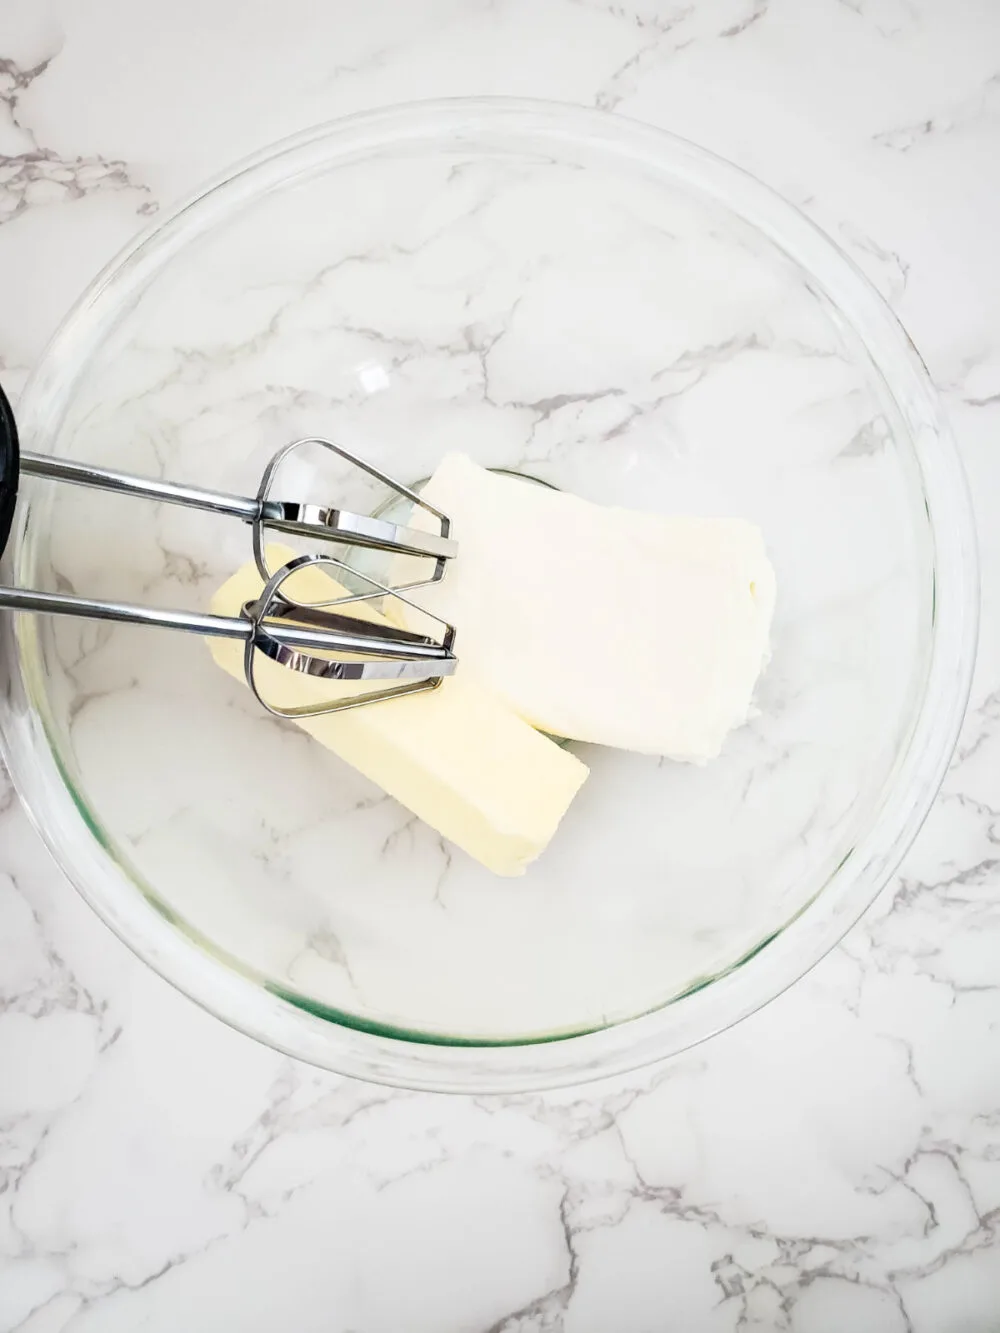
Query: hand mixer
x=285, y=631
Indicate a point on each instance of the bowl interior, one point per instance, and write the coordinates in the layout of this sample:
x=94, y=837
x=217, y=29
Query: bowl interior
x=547, y=305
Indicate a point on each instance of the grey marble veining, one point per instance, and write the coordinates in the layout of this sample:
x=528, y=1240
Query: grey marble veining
x=834, y=1162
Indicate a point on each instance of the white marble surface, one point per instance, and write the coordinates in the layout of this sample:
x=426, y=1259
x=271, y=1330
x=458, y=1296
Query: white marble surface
x=832, y=1164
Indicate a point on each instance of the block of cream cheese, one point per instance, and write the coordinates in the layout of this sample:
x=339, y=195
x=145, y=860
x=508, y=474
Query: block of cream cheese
x=602, y=624
x=456, y=756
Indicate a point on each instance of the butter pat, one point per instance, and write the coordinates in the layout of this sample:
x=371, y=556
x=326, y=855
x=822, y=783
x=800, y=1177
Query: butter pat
x=456, y=756
x=603, y=624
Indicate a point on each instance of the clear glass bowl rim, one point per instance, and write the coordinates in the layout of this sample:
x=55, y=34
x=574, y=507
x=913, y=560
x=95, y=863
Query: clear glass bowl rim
x=263, y=1014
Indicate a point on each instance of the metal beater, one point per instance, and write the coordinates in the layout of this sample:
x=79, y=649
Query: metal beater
x=287, y=632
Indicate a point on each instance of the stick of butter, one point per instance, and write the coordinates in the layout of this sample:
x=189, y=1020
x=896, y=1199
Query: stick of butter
x=456, y=756
x=638, y=630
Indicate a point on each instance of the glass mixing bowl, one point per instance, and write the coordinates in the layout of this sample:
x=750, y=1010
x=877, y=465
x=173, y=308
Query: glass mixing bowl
x=586, y=301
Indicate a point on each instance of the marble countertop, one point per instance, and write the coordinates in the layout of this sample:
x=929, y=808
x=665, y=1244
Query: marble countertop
x=831, y=1164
